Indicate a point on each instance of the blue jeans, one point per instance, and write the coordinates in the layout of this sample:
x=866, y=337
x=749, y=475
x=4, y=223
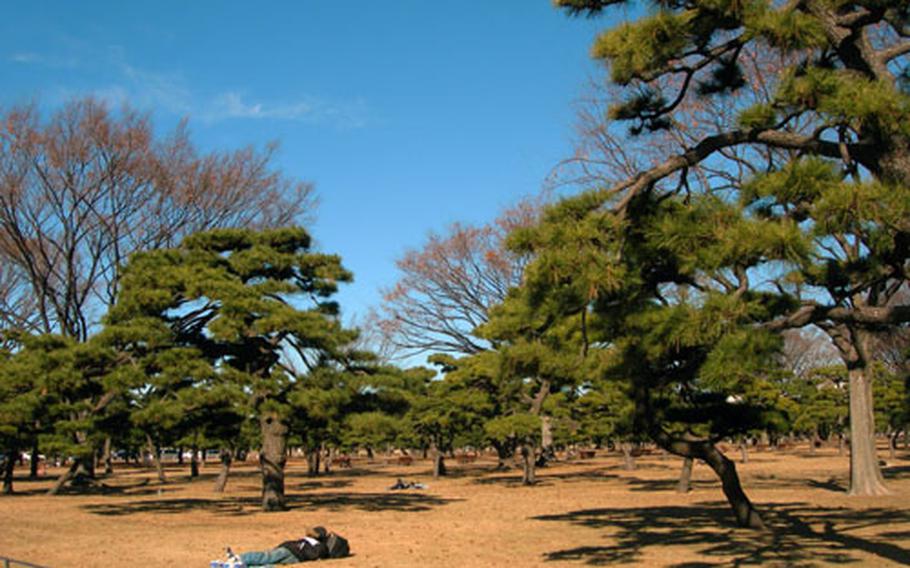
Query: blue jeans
x=278, y=555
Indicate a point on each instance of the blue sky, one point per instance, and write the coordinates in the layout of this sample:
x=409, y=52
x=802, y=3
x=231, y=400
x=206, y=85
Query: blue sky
x=408, y=115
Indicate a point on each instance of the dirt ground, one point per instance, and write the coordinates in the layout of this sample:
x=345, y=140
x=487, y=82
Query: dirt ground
x=585, y=512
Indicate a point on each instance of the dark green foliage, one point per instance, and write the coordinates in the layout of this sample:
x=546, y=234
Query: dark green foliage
x=236, y=323
x=821, y=402
x=687, y=284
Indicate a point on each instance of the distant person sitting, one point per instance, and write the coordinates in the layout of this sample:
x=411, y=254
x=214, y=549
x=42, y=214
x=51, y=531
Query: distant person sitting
x=317, y=544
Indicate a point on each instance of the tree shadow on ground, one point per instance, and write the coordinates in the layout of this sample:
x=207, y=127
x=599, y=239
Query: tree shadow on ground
x=100, y=487
x=801, y=535
x=545, y=478
x=378, y=469
x=24, y=487
x=831, y=484
x=896, y=471
x=370, y=502
x=316, y=483
x=638, y=484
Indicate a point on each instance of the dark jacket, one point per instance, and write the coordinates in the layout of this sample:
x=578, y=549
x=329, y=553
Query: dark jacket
x=304, y=550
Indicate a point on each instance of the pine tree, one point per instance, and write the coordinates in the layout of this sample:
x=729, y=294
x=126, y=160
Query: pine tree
x=65, y=391
x=836, y=195
x=238, y=297
x=21, y=403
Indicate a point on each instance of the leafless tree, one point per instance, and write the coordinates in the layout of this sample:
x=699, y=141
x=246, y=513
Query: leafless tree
x=83, y=189
x=806, y=349
x=447, y=288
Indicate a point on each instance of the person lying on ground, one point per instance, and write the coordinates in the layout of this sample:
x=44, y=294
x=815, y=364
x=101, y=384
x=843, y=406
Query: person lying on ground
x=400, y=484
x=318, y=543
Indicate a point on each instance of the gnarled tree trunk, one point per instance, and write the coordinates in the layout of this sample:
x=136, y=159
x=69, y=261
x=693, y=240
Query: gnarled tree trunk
x=684, y=485
x=528, y=474
x=81, y=472
x=227, y=457
x=9, y=465
x=865, y=473
x=272, y=459
x=547, y=450
x=64, y=479
x=856, y=348
x=156, y=457
x=746, y=514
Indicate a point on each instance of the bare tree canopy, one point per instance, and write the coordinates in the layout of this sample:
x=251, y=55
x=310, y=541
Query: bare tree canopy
x=447, y=288
x=86, y=187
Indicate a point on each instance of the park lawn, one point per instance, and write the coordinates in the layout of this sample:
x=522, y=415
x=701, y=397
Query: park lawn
x=582, y=513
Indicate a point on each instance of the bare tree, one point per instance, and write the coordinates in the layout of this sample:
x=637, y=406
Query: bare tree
x=447, y=288
x=807, y=349
x=606, y=153
x=87, y=187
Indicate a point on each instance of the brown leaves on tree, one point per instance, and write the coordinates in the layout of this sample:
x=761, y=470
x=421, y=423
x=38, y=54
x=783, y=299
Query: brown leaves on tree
x=447, y=288
x=86, y=187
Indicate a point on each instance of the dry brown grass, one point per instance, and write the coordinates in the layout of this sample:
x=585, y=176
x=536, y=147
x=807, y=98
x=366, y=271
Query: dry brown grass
x=588, y=512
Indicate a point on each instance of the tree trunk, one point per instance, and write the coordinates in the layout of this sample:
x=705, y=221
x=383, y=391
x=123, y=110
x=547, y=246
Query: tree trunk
x=685, y=476
x=547, y=451
x=221, y=481
x=194, y=463
x=865, y=474
x=743, y=451
x=628, y=460
x=156, y=458
x=503, y=455
x=528, y=475
x=85, y=471
x=327, y=461
x=61, y=481
x=312, y=462
x=272, y=459
x=746, y=514
x=33, y=465
x=108, y=457
x=892, y=444
x=439, y=465
x=9, y=465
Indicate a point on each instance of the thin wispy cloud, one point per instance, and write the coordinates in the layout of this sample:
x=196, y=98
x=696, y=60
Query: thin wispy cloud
x=120, y=81
x=113, y=96
x=233, y=105
x=32, y=58
x=25, y=58
x=156, y=89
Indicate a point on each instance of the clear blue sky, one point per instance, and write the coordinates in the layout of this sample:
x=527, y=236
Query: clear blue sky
x=408, y=115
